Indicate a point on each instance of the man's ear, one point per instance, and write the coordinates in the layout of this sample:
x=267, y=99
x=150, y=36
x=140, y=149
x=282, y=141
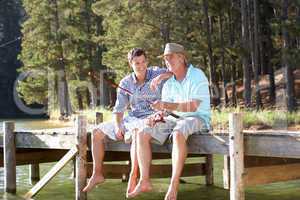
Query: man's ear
x=129, y=65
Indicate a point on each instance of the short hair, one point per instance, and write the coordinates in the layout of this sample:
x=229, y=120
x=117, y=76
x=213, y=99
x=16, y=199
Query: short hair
x=135, y=52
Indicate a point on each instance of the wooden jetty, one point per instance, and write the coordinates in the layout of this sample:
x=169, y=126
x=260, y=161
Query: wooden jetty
x=250, y=157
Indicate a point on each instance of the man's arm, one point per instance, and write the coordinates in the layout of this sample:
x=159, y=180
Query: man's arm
x=157, y=80
x=190, y=106
x=118, y=118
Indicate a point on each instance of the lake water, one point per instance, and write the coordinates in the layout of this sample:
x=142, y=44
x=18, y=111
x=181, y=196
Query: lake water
x=62, y=186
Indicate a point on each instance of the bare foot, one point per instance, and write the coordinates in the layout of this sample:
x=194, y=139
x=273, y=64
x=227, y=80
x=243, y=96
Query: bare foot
x=142, y=186
x=132, y=181
x=171, y=194
x=93, y=181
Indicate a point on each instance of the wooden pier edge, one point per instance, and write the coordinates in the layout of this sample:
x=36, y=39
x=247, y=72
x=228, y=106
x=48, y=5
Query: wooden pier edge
x=9, y=152
x=81, y=158
x=236, y=154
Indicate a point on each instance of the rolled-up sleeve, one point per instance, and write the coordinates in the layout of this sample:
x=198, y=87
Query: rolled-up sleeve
x=122, y=101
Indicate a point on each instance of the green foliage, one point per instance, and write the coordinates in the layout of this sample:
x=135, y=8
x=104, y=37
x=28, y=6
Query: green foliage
x=58, y=36
x=87, y=36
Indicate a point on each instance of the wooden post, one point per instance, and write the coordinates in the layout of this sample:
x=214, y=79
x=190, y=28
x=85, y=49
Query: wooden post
x=226, y=172
x=99, y=118
x=9, y=157
x=236, y=153
x=81, y=159
x=34, y=173
x=209, y=176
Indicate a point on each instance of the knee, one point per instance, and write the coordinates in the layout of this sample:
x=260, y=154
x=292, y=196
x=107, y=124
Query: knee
x=143, y=136
x=178, y=137
x=98, y=134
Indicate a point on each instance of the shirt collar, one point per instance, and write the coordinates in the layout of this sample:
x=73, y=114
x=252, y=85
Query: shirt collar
x=188, y=73
x=148, y=76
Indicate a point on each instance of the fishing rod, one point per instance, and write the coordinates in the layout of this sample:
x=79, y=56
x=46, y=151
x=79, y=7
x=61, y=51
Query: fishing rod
x=10, y=42
x=114, y=85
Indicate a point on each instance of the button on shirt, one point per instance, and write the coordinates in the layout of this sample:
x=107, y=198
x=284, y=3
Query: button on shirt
x=193, y=86
x=138, y=103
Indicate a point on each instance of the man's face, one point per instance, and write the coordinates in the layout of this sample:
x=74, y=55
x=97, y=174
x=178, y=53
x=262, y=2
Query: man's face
x=139, y=64
x=174, y=61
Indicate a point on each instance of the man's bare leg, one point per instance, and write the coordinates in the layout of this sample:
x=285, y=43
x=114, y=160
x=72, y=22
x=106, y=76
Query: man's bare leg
x=144, y=155
x=179, y=154
x=98, y=156
x=132, y=181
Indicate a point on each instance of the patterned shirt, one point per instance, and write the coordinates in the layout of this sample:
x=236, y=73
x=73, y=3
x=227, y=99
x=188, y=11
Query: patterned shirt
x=139, y=102
x=193, y=86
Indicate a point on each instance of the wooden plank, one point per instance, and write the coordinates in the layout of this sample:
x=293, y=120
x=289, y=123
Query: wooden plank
x=115, y=171
x=24, y=158
x=226, y=172
x=44, y=141
x=209, y=175
x=271, y=174
x=236, y=154
x=268, y=144
x=272, y=146
x=81, y=158
x=253, y=162
x=9, y=151
x=54, y=170
x=257, y=161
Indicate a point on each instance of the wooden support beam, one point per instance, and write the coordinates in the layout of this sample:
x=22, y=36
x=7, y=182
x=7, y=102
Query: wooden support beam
x=34, y=173
x=81, y=158
x=209, y=168
x=54, y=170
x=271, y=174
x=115, y=171
x=10, y=185
x=236, y=153
x=226, y=172
x=255, y=161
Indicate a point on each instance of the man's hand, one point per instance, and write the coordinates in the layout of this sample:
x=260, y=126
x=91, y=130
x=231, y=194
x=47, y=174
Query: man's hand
x=158, y=105
x=120, y=133
x=153, y=119
x=155, y=82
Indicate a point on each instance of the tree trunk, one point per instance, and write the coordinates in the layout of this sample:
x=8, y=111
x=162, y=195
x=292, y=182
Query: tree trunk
x=223, y=60
x=245, y=58
x=79, y=99
x=288, y=71
x=212, y=69
x=267, y=50
x=63, y=92
x=232, y=63
x=256, y=57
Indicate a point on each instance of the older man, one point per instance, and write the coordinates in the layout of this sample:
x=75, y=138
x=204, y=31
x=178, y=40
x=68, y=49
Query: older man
x=186, y=93
x=138, y=83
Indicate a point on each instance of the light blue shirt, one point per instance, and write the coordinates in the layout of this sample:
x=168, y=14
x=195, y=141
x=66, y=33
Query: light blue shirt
x=193, y=86
x=138, y=104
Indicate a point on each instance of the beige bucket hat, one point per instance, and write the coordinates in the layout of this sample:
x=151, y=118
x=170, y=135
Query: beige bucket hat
x=173, y=48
